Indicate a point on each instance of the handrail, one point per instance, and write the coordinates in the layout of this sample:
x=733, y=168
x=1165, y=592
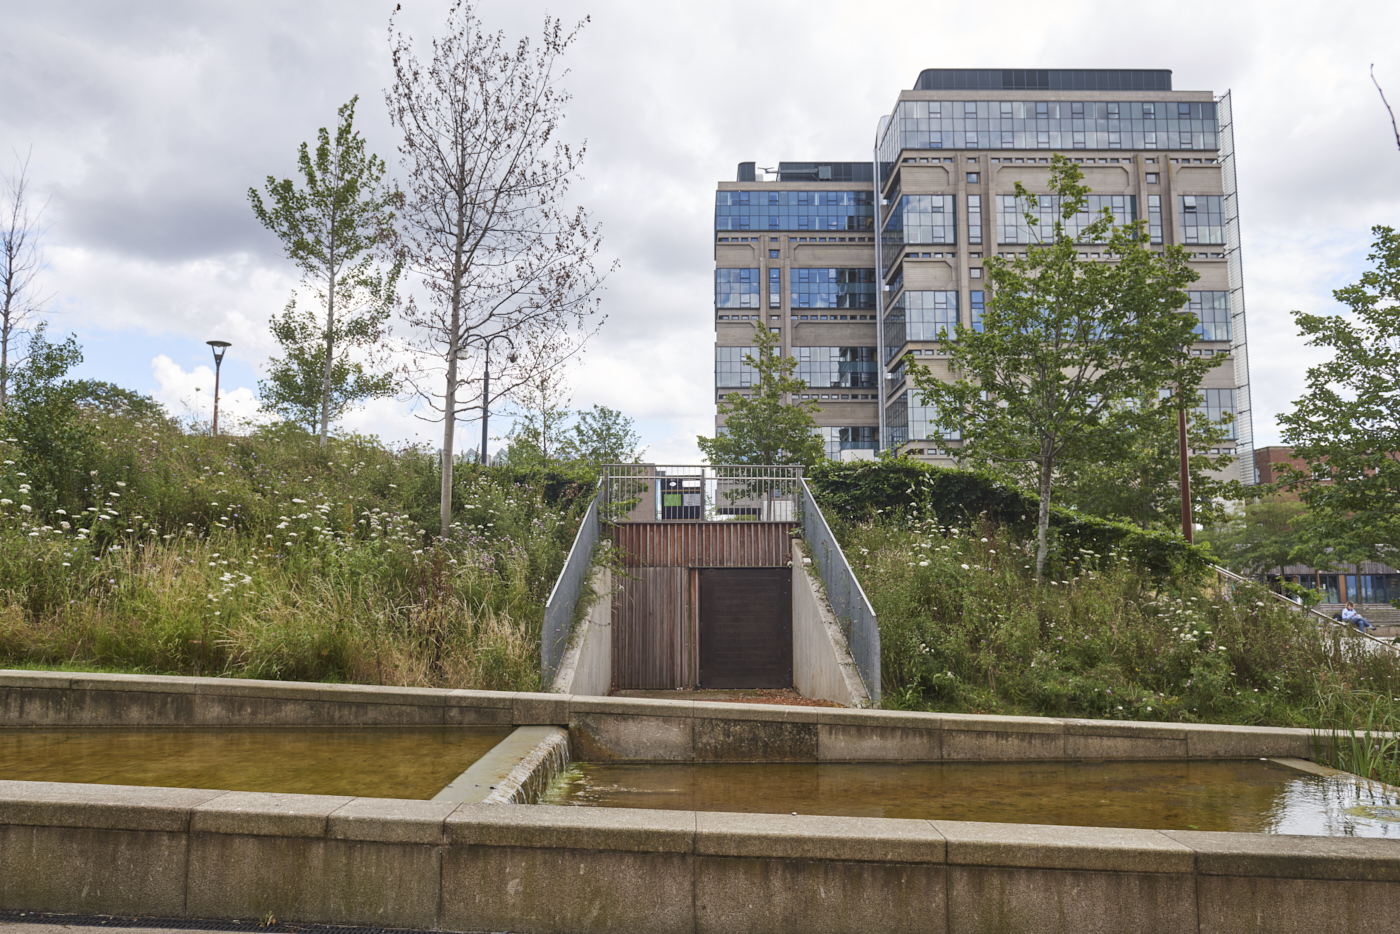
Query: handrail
x=563, y=598
x=1338, y=624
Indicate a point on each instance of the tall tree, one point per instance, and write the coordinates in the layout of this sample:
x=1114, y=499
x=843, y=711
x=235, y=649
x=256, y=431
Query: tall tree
x=1346, y=427
x=330, y=228
x=541, y=419
x=1266, y=534
x=1064, y=342
x=487, y=224
x=20, y=263
x=603, y=436
x=767, y=426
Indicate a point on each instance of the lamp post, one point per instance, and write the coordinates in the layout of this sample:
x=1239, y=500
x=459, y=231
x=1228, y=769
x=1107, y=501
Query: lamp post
x=218, y=347
x=1187, y=522
x=486, y=384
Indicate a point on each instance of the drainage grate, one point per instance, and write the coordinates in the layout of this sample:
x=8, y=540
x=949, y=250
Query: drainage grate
x=191, y=924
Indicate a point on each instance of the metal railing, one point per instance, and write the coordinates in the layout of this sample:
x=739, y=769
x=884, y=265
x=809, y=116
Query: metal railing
x=1341, y=628
x=843, y=591
x=699, y=493
x=563, y=599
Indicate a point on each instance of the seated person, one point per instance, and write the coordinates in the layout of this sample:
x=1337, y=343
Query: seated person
x=1349, y=615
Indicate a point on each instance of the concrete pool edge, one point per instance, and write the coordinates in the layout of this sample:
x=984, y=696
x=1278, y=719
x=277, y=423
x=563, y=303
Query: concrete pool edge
x=517, y=770
x=446, y=866
x=641, y=729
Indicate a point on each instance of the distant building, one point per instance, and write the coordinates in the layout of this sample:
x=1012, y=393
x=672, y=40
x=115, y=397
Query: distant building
x=799, y=249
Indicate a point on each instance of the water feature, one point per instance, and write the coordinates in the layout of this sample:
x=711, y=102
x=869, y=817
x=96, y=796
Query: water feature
x=1253, y=796
x=374, y=762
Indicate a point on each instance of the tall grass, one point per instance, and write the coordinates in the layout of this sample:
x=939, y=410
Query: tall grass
x=268, y=556
x=964, y=627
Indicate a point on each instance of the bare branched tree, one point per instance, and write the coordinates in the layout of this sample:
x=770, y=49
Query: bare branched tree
x=1394, y=128
x=486, y=225
x=20, y=262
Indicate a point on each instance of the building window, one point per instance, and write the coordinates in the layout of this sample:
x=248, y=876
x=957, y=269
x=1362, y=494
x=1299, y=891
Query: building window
x=919, y=219
x=1202, y=218
x=772, y=254
x=919, y=316
x=832, y=288
x=1011, y=216
x=977, y=299
x=836, y=367
x=1216, y=403
x=1151, y=178
x=736, y=288
x=1154, y=218
x=907, y=421
x=730, y=369
x=775, y=288
x=975, y=272
x=1212, y=310
x=857, y=437
x=794, y=210
x=972, y=178
x=974, y=218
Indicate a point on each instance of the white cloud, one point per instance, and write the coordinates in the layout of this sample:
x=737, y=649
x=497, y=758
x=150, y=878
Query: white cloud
x=190, y=395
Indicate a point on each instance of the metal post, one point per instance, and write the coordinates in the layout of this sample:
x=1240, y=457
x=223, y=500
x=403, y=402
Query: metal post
x=218, y=347
x=485, y=400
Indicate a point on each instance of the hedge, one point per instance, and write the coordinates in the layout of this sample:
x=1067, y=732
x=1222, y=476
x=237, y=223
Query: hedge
x=861, y=491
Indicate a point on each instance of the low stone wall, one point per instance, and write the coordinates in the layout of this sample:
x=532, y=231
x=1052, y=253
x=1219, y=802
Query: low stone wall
x=517, y=770
x=627, y=728
x=477, y=867
x=822, y=666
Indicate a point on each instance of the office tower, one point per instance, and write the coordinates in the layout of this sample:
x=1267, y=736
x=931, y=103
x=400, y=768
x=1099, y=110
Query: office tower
x=797, y=250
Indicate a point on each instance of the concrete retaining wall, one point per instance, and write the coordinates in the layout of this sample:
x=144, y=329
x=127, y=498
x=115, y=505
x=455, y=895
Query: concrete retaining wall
x=822, y=666
x=476, y=867
x=586, y=667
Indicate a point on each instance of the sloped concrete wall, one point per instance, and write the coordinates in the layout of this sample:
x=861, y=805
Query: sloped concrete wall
x=822, y=666
x=586, y=667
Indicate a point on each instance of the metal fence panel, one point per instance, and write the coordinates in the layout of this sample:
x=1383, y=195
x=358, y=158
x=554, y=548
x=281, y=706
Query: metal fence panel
x=559, y=611
x=699, y=493
x=848, y=600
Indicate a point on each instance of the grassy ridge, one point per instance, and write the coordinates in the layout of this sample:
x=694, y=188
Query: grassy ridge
x=267, y=556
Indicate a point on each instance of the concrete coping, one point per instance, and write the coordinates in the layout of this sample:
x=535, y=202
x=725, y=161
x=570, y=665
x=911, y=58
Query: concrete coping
x=766, y=836
x=559, y=710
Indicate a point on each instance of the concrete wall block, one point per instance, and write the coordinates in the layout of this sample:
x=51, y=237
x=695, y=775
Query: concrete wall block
x=566, y=890
x=33, y=705
x=83, y=870
x=390, y=820
x=606, y=737
x=1297, y=906
x=1049, y=901
x=858, y=743
x=1208, y=741
x=733, y=740
x=785, y=896
x=545, y=826
x=1002, y=745
x=1287, y=856
x=100, y=807
x=1123, y=747
x=540, y=709
x=631, y=706
x=262, y=814
x=88, y=707
x=313, y=880
x=783, y=836
x=770, y=713
x=1044, y=846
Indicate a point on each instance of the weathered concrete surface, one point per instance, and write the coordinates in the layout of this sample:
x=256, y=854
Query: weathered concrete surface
x=628, y=728
x=822, y=665
x=473, y=867
x=516, y=770
x=586, y=668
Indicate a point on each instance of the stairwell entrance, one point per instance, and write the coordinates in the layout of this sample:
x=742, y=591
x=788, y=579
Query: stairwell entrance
x=745, y=627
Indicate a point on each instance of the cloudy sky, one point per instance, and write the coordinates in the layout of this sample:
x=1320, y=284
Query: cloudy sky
x=148, y=122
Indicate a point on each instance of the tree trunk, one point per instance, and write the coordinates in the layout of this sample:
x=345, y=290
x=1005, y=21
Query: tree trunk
x=449, y=416
x=330, y=347
x=1042, y=534
x=5, y=357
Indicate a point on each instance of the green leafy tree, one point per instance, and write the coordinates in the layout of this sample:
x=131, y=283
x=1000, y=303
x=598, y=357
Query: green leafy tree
x=1064, y=343
x=767, y=426
x=603, y=436
x=1346, y=427
x=42, y=418
x=330, y=227
x=538, y=436
x=1267, y=534
x=1137, y=476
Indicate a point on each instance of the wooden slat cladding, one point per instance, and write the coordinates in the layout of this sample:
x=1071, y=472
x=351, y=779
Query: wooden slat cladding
x=650, y=627
x=704, y=544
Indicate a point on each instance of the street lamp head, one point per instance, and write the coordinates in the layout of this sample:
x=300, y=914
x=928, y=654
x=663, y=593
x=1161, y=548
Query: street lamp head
x=218, y=347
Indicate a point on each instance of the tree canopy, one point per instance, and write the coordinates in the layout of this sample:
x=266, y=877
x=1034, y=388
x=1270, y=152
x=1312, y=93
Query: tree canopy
x=766, y=425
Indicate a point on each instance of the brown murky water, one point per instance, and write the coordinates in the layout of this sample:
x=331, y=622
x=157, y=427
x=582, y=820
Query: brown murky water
x=1243, y=796
x=385, y=762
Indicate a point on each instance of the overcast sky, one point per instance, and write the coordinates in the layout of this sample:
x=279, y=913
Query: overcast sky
x=149, y=121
